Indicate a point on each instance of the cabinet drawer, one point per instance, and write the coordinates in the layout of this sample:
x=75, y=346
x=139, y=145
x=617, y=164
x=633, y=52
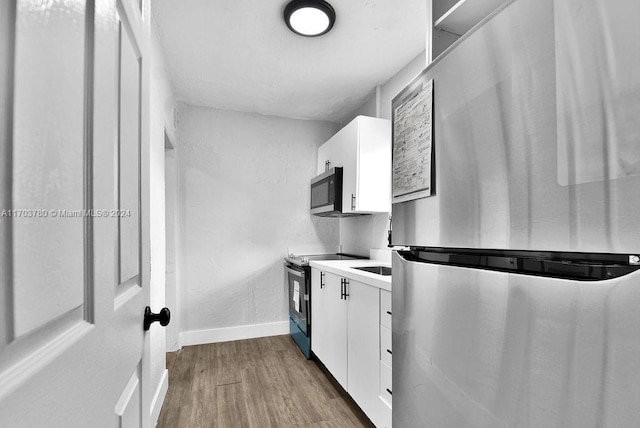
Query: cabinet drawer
x=385, y=413
x=385, y=383
x=385, y=345
x=385, y=308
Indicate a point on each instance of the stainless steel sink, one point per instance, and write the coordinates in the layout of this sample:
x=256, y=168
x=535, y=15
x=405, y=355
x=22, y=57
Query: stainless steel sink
x=380, y=270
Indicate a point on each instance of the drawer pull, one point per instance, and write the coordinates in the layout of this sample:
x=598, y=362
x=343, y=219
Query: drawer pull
x=389, y=312
x=389, y=351
x=389, y=391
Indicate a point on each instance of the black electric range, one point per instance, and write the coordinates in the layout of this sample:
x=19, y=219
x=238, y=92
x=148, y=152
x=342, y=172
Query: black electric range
x=303, y=261
x=298, y=277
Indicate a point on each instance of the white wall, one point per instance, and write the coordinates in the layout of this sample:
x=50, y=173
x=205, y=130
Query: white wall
x=367, y=108
x=161, y=111
x=243, y=201
x=172, y=296
x=359, y=234
x=394, y=85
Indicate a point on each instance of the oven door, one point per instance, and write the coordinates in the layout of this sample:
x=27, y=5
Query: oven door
x=298, y=297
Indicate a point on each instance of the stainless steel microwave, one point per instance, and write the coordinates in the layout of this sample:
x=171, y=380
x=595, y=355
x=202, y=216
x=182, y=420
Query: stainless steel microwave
x=326, y=194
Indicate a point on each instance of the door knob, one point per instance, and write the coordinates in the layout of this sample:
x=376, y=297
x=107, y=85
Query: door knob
x=164, y=316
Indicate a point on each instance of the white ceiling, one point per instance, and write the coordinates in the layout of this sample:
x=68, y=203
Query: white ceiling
x=240, y=55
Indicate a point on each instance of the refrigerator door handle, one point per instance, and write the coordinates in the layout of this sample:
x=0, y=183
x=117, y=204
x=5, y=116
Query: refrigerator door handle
x=571, y=266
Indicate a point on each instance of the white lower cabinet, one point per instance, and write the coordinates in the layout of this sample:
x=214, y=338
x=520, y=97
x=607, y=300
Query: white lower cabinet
x=386, y=354
x=328, y=324
x=385, y=395
x=385, y=346
x=363, y=346
x=345, y=326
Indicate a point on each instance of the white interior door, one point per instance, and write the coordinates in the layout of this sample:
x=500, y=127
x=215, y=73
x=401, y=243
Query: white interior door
x=73, y=236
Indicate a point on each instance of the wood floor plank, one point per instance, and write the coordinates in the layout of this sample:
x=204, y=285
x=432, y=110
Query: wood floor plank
x=259, y=383
x=181, y=378
x=171, y=359
x=203, y=394
x=231, y=406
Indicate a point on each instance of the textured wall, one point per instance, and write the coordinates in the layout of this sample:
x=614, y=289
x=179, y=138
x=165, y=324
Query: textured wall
x=359, y=234
x=367, y=108
x=172, y=294
x=243, y=200
x=161, y=111
x=394, y=85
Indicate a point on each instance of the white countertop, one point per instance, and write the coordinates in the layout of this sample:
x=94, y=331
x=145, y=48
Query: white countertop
x=345, y=269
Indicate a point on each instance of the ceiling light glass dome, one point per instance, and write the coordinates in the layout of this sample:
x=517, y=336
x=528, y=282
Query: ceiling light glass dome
x=309, y=18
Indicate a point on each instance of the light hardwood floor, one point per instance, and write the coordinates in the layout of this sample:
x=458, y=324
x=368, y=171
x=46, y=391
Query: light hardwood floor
x=261, y=383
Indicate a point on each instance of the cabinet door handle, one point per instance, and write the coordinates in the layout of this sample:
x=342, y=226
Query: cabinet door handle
x=341, y=288
x=346, y=283
x=389, y=391
x=321, y=279
x=353, y=201
x=389, y=312
x=389, y=351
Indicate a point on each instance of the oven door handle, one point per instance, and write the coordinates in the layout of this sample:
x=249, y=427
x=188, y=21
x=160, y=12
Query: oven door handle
x=294, y=272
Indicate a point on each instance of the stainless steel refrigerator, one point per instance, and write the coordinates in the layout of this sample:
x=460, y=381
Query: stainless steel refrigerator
x=518, y=303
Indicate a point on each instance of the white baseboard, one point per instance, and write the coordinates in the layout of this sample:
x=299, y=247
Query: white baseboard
x=215, y=335
x=175, y=346
x=158, y=398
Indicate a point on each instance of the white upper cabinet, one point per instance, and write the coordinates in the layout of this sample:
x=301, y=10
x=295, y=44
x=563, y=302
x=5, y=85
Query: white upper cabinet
x=326, y=156
x=465, y=14
x=363, y=149
x=453, y=18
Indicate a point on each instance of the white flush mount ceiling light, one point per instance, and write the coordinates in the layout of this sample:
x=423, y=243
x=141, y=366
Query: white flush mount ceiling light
x=309, y=18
